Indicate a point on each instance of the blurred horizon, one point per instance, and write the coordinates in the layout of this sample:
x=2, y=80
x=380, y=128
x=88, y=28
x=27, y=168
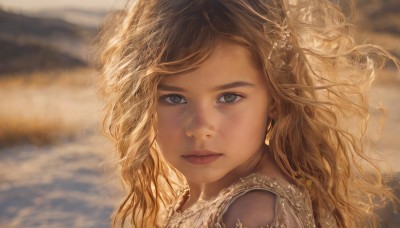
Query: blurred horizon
x=37, y=6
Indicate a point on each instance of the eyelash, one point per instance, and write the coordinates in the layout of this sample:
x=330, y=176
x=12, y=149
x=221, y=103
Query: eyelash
x=165, y=97
x=240, y=96
x=238, y=99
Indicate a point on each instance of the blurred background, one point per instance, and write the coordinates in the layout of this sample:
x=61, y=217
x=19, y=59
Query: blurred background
x=55, y=168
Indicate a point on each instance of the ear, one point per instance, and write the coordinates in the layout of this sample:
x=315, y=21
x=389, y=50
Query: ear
x=272, y=110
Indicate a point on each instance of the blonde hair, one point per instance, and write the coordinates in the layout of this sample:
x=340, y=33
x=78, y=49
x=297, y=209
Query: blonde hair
x=315, y=72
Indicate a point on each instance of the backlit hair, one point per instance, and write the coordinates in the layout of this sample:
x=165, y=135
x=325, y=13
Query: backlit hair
x=315, y=73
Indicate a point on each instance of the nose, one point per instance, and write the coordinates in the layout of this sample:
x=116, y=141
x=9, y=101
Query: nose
x=200, y=123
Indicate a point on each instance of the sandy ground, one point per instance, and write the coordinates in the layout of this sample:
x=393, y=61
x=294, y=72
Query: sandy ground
x=57, y=186
x=71, y=184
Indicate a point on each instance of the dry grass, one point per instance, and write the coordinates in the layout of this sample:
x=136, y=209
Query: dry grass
x=38, y=131
x=80, y=77
x=45, y=107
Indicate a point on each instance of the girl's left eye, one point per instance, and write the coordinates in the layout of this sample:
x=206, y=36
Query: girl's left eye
x=230, y=98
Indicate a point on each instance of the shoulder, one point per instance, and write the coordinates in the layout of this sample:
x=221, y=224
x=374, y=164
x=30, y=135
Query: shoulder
x=255, y=208
x=261, y=201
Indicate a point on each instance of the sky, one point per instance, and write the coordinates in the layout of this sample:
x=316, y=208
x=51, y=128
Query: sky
x=38, y=5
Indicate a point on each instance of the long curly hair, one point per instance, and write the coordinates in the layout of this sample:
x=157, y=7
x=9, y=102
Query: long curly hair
x=316, y=74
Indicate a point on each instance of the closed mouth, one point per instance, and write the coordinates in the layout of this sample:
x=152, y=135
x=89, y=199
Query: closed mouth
x=201, y=159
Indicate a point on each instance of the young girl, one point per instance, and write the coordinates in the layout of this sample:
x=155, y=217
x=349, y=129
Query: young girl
x=240, y=113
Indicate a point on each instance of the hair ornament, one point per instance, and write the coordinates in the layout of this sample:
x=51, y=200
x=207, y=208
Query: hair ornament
x=284, y=42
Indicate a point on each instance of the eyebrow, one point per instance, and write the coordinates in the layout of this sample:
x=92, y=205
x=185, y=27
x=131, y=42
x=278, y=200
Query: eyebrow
x=234, y=85
x=220, y=87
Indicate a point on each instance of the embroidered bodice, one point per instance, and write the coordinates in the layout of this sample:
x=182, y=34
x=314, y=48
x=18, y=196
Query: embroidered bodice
x=292, y=205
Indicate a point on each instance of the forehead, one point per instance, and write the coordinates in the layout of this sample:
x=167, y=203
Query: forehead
x=227, y=62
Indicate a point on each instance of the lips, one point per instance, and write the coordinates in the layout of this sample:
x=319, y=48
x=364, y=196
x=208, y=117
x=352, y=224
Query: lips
x=201, y=157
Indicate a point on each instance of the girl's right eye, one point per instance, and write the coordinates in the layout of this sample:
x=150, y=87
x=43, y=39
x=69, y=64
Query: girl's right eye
x=173, y=99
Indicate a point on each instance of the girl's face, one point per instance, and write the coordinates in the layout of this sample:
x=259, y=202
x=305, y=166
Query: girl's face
x=212, y=121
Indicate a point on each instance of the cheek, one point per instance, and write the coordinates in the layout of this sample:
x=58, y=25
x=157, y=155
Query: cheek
x=168, y=129
x=246, y=127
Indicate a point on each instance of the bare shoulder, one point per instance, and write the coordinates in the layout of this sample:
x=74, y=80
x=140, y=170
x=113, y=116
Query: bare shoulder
x=255, y=208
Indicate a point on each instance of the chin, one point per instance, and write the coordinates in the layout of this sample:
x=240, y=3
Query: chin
x=202, y=179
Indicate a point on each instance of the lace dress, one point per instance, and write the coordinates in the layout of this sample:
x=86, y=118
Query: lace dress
x=292, y=206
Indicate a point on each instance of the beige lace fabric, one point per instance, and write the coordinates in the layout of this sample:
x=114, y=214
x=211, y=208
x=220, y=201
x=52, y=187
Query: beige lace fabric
x=292, y=206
